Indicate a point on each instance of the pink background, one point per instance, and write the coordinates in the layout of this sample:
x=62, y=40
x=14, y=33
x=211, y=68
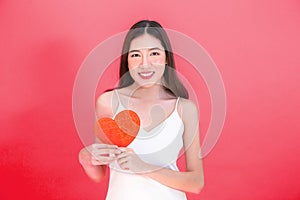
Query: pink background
x=254, y=43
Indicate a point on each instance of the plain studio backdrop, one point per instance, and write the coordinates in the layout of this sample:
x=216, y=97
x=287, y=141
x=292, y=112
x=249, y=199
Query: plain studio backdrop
x=255, y=45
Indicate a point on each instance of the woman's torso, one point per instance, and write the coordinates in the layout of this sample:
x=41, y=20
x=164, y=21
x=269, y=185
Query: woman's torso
x=159, y=146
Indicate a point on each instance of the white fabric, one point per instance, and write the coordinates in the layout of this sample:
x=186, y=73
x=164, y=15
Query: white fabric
x=160, y=147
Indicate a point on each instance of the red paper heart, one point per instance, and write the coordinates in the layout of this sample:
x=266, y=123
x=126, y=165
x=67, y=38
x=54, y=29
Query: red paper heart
x=121, y=131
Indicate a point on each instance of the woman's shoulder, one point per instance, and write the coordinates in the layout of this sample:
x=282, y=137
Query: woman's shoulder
x=105, y=103
x=105, y=97
x=112, y=95
x=187, y=109
x=187, y=104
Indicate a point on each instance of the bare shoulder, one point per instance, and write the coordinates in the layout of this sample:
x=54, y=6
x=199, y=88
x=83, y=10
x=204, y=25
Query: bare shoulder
x=104, y=104
x=105, y=98
x=187, y=109
x=190, y=120
x=187, y=106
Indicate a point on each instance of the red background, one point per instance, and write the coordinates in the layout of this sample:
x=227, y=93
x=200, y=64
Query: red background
x=254, y=43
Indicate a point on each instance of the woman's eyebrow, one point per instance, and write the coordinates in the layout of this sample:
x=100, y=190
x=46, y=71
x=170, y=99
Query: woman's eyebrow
x=133, y=51
x=155, y=48
x=151, y=49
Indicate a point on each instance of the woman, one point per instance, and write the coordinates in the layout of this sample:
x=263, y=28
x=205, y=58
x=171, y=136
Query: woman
x=146, y=168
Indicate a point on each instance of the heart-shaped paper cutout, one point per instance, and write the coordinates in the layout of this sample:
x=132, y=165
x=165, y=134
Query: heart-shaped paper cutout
x=121, y=131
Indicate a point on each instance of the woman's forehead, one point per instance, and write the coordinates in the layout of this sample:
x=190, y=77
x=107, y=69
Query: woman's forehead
x=145, y=41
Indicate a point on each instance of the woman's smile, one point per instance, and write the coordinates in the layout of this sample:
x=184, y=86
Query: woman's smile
x=146, y=75
x=146, y=60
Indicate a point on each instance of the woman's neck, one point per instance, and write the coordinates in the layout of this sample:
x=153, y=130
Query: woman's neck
x=152, y=92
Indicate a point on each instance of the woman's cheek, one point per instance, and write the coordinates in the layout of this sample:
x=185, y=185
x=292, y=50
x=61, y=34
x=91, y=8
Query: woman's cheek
x=158, y=61
x=132, y=67
x=133, y=63
x=132, y=72
x=161, y=70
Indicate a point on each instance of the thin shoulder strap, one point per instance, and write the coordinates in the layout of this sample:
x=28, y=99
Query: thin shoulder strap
x=117, y=95
x=119, y=102
x=176, y=105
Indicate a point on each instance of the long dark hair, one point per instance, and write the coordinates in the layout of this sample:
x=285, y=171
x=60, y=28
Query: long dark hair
x=171, y=82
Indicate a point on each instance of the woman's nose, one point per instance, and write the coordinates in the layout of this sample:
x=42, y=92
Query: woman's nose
x=145, y=61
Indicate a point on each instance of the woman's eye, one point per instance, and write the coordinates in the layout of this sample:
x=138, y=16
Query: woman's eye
x=134, y=55
x=155, y=53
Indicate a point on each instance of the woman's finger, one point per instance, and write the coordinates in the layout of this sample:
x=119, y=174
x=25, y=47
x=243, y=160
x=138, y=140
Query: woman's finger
x=125, y=149
x=104, y=146
x=124, y=165
x=105, y=151
x=122, y=155
x=96, y=162
x=103, y=160
x=122, y=160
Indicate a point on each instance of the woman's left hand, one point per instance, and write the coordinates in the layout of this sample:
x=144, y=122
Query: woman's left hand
x=129, y=160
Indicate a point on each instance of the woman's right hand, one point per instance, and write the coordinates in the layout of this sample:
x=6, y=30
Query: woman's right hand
x=98, y=154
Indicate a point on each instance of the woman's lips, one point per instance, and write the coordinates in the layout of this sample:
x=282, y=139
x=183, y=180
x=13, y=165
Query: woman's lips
x=146, y=75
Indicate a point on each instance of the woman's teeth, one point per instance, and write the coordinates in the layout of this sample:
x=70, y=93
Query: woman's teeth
x=146, y=75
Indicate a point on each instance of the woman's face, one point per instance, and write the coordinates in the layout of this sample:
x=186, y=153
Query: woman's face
x=146, y=60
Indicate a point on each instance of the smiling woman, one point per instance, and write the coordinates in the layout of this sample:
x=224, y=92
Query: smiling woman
x=149, y=86
x=146, y=60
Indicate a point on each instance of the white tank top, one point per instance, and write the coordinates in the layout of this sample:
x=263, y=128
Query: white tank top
x=159, y=146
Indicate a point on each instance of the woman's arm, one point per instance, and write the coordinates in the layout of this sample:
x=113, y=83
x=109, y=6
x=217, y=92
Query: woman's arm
x=95, y=157
x=190, y=181
x=91, y=166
